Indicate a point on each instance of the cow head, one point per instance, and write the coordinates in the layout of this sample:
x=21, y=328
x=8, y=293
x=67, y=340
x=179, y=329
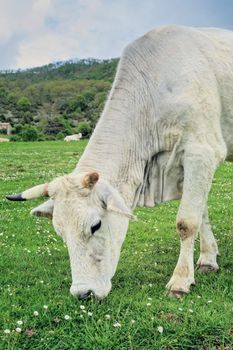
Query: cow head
x=92, y=218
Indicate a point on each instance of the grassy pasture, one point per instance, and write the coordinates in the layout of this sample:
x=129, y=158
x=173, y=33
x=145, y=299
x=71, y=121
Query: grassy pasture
x=35, y=271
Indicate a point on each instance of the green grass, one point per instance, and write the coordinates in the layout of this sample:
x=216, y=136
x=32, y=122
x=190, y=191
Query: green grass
x=35, y=271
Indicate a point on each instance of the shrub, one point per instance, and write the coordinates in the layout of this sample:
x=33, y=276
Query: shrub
x=60, y=136
x=15, y=138
x=29, y=133
x=85, y=128
x=17, y=129
x=41, y=137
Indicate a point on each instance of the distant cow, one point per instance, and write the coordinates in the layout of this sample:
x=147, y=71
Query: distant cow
x=75, y=137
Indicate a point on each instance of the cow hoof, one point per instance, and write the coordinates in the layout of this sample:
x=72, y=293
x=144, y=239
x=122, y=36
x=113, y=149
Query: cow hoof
x=207, y=268
x=177, y=294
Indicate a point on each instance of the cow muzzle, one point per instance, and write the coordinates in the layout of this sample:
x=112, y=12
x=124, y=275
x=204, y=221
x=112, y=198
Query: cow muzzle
x=83, y=290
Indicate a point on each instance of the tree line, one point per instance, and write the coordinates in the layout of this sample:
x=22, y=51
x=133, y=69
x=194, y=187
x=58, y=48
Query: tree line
x=59, y=99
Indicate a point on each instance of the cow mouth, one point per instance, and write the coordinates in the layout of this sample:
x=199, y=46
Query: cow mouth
x=84, y=292
x=85, y=295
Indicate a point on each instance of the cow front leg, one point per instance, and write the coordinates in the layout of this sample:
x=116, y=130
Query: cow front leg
x=207, y=261
x=183, y=275
x=199, y=166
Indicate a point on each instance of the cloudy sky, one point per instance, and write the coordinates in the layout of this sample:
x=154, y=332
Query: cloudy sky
x=36, y=32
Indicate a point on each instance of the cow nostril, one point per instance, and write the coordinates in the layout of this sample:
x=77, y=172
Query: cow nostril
x=83, y=296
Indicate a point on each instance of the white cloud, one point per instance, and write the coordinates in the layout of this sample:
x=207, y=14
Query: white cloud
x=36, y=32
x=21, y=21
x=22, y=16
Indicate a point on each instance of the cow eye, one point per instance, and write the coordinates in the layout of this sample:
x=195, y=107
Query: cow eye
x=95, y=227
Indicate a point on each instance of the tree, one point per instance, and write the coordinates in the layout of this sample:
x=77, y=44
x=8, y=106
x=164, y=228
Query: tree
x=24, y=104
x=77, y=103
x=27, y=117
x=3, y=95
x=56, y=125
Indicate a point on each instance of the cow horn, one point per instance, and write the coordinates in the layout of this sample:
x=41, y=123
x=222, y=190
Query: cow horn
x=31, y=193
x=90, y=179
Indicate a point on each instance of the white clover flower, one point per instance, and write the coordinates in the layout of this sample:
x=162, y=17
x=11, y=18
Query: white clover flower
x=116, y=324
x=36, y=313
x=7, y=331
x=133, y=321
x=90, y=313
x=45, y=307
x=67, y=317
x=190, y=310
x=19, y=323
x=148, y=304
x=209, y=301
x=160, y=329
x=82, y=307
x=107, y=317
x=149, y=298
x=18, y=330
x=180, y=309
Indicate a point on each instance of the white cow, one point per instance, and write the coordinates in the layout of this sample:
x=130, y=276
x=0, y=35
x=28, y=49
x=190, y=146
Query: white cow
x=165, y=128
x=75, y=137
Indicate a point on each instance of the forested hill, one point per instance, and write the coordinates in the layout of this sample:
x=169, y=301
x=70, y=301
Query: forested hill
x=52, y=101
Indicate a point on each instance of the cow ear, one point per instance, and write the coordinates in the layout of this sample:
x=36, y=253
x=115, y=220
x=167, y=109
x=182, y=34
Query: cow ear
x=114, y=202
x=90, y=179
x=44, y=210
x=118, y=206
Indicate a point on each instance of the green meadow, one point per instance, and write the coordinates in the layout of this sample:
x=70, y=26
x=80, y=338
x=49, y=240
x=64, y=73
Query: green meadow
x=36, y=308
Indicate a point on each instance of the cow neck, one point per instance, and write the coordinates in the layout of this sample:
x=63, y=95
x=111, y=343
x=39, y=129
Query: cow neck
x=117, y=154
x=122, y=144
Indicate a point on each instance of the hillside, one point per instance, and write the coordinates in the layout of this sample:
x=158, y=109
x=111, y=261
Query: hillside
x=57, y=99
